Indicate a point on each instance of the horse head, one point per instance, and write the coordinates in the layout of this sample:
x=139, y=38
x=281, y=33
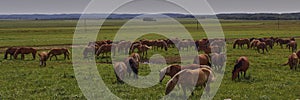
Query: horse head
x=235, y=72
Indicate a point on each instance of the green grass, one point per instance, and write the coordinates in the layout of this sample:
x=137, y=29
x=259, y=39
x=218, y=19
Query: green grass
x=26, y=80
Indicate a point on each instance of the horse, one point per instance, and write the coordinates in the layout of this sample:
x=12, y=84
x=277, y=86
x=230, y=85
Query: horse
x=269, y=42
x=219, y=43
x=89, y=50
x=43, y=58
x=253, y=44
x=202, y=59
x=262, y=46
x=59, y=51
x=293, y=45
x=10, y=51
x=183, y=44
x=161, y=45
x=218, y=60
x=188, y=78
x=134, y=46
x=241, y=65
x=241, y=42
x=120, y=70
x=171, y=70
x=136, y=56
x=293, y=61
x=282, y=41
x=105, y=49
x=25, y=50
x=124, y=46
x=133, y=66
x=143, y=49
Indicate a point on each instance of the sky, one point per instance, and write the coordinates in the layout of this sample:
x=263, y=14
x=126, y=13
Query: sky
x=146, y=6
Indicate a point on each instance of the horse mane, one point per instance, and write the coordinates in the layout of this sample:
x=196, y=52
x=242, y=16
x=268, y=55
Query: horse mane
x=238, y=65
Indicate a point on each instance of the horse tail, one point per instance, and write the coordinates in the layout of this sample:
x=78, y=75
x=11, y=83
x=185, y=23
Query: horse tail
x=285, y=64
x=234, y=44
x=173, y=81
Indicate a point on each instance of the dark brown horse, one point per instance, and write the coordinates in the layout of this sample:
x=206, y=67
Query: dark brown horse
x=143, y=49
x=254, y=44
x=23, y=51
x=161, y=45
x=43, y=58
x=59, y=51
x=10, y=51
x=282, y=41
x=241, y=65
x=132, y=66
x=105, y=49
x=241, y=42
x=293, y=45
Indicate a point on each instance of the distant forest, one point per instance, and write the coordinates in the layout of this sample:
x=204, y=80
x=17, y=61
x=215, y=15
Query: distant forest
x=233, y=16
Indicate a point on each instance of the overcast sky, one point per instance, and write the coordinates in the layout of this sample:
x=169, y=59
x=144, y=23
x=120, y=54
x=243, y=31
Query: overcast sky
x=145, y=6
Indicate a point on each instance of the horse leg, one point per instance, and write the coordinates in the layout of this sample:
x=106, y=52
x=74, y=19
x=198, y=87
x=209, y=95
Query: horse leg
x=55, y=57
x=244, y=74
x=22, y=56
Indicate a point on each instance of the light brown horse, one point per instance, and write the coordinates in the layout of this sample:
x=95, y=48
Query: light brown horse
x=241, y=65
x=120, y=70
x=171, y=70
x=23, y=51
x=293, y=45
x=59, y=51
x=202, y=59
x=254, y=44
x=241, y=42
x=262, y=46
x=43, y=58
x=293, y=61
x=105, y=49
x=188, y=78
x=10, y=51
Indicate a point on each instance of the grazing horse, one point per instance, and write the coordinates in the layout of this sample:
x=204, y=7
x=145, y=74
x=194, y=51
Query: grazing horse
x=254, y=43
x=183, y=44
x=124, y=46
x=171, y=70
x=105, y=49
x=24, y=50
x=132, y=66
x=202, y=59
x=218, y=60
x=282, y=41
x=136, y=56
x=293, y=61
x=120, y=69
x=43, y=58
x=59, y=51
x=10, y=51
x=134, y=46
x=99, y=43
x=241, y=42
x=143, y=49
x=262, y=46
x=161, y=45
x=202, y=44
x=269, y=42
x=89, y=50
x=241, y=65
x=292, y=44
x=188, y=78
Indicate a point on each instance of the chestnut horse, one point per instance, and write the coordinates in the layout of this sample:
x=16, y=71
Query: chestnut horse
x=24, y=50
x=241, y=42
x=282, y=41
x=262, y=46
x=254, y=43
x=59, y=51
x=218, y=60
x=105, y=49
x=188, y=78
x=202, y=59
x=10, y=51
x=143, y=49
x=171, y=70
x=162, y=45
x=120, y=70
x=293, y=61
x=136, y=56
x=132, y=66
x=43, y=58
x=241, y=65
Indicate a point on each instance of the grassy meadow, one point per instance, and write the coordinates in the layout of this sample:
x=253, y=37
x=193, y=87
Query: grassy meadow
x=268, y=79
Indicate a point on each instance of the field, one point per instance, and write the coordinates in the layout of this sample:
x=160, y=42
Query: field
x=268, y=79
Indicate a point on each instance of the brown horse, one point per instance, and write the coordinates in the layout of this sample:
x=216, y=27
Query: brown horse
x=124, y=46
x=254, y=44
x=202, y=59
x=241, y=42
x=218, y=60
x=132, y=66
x=241, y=65
x=262, y=46
x=10, y=51
x=120, y=70
x=105, y=49
x=188, y=78
x=136, y=56
x=59, y=51
x=282, y=41
x=269, y=42
x=171, y=70
x=90, y=50
x=293, y=45
x=293, y=61
x=202, y=44
x=43, y=58
x=25, y=50
x=143, y=49
x=161, y=45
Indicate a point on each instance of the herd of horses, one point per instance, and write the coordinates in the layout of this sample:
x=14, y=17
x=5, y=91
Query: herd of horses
x=200, y=73
x=15, y=51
